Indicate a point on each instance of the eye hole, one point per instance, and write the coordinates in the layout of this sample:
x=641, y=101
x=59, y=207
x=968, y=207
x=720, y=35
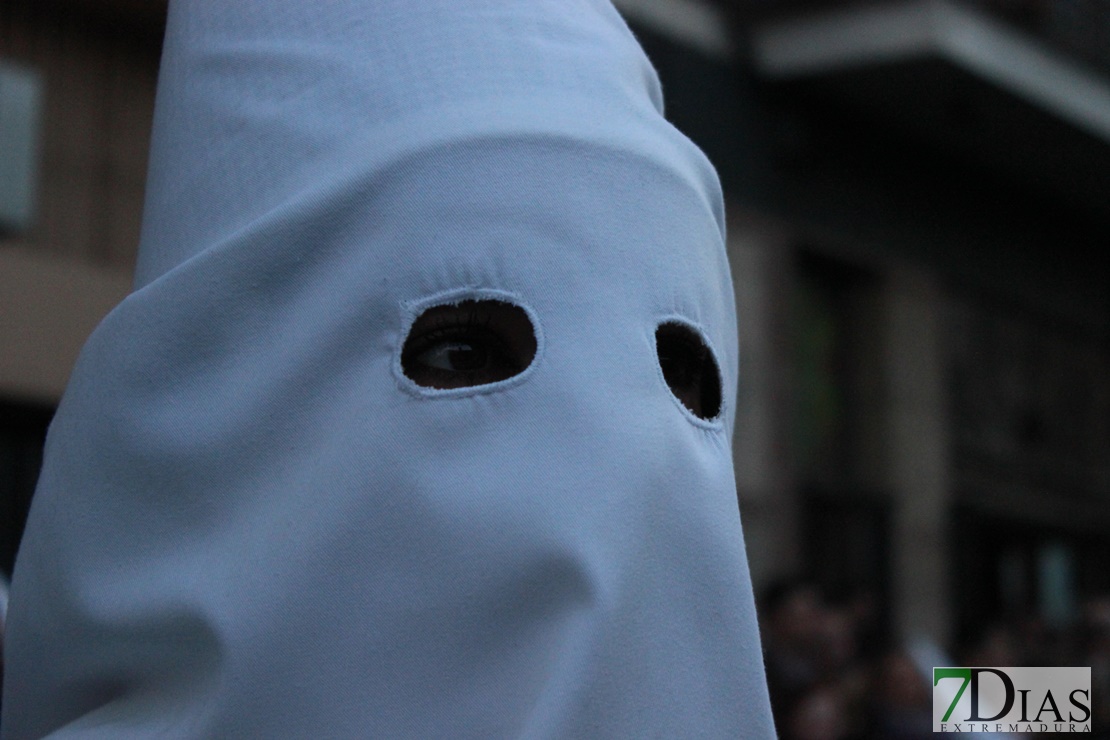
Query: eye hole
x=689, y=369
x=469, y=343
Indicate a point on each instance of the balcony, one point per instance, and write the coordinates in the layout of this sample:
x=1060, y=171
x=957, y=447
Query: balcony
x=1024, y=93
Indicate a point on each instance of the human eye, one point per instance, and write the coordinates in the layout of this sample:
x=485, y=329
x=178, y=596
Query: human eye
x=473, y=342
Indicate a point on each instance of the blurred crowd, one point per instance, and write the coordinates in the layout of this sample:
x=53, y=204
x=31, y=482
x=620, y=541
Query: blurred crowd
x=834, y=675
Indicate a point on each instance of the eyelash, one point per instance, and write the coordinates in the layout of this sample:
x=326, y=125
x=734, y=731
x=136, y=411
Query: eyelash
x=448, y=327
x=472, y=326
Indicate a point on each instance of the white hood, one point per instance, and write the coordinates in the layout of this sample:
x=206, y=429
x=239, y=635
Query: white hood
x=251, y=523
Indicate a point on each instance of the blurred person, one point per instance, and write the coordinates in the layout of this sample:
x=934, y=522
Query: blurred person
x=843, y=662
x=821, y=714
x=996, y=645
x=903, y=700
x=814, y=669
x=792, y=621
x=3, y=619
x=418, y=421
x=1096, y=654
x=838, y=631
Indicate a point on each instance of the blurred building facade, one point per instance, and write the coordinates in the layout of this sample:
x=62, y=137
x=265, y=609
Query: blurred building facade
x=69, y=222
x=919, y=202
x=919, y=213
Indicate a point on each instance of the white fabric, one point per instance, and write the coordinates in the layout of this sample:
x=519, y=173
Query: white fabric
x=249, y=524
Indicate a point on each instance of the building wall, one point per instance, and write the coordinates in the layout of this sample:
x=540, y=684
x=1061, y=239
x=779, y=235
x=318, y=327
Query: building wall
x=875, y=464
x=60, y=277
x=48, y=307
x=760, y=255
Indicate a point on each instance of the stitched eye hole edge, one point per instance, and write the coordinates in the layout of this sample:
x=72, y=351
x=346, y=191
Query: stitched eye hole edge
x=689, y=369
x=469, y=343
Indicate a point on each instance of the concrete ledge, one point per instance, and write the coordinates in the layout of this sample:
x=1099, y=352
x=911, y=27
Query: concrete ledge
x=991, y=51
x=694, y=23
x=48, y=308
